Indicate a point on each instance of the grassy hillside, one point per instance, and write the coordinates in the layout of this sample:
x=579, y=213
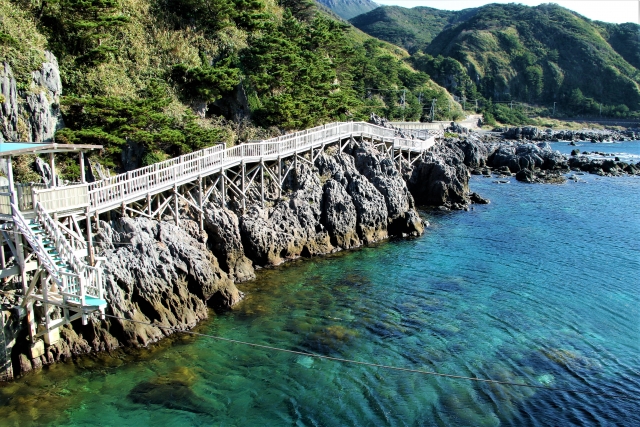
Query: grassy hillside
x=624, y=39
x=163, y=78
x=347, y=9
x=413, y=28
x=539, y=55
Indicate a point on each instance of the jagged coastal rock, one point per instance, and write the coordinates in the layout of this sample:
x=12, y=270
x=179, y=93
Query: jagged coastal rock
x=158, y=273
x=533, y=133
x=532, y=161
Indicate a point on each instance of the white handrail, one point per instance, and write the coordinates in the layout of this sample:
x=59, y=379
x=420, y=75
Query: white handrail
x=36, y=244
x=115, y=189
x=87, y=282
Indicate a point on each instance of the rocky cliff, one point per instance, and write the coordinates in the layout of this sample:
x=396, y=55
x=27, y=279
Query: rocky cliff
x=31, y=114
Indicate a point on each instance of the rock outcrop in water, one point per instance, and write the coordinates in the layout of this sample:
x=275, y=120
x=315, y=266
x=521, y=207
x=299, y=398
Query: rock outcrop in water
x=533, y=133
x=441, y=178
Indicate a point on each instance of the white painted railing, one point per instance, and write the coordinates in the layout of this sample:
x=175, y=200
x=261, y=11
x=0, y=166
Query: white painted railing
x=85, y=280
x=62, y=198
x=124, y=187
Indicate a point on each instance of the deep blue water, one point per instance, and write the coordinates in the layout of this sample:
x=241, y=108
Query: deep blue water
x=542, y=286
x=626, y=151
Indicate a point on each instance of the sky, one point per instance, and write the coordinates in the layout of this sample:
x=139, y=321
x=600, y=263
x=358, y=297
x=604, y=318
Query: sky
x=616, y=11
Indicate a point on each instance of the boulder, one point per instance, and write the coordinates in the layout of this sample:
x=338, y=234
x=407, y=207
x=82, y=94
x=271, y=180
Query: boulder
x=224, y=241
x=525, y=175
x=158, y=273
x=339, y=215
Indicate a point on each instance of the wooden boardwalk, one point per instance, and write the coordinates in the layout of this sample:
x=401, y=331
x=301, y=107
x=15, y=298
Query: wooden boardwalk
x=111, y=193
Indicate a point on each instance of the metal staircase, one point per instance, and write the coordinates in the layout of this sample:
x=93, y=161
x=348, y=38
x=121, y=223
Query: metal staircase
x=70, y=283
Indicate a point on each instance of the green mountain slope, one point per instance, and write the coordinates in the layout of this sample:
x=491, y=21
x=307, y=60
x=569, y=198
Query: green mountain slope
x=540, y=54
x=624, y=39
x=162, y=78
x=413, y=28
x=347, y=9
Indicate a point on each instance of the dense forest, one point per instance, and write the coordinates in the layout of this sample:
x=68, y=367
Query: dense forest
x=172, y=76
x=502, y=52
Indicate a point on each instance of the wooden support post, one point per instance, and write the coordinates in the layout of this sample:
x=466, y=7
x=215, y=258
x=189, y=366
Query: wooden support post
x=279, y=177
x=3, y=261
x=175, y=204
x=90, y=239
x=31, y=320
x=82, y=172
x=262, y=182
x=149, y=210
x=200, y=205
x=16, y=234
x=12, y=189
x=124, y=210
x=223, y=176
x=52, y=163
x=244, y=195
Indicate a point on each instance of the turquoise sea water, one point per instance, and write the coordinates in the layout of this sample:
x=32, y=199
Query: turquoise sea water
x=541, y=286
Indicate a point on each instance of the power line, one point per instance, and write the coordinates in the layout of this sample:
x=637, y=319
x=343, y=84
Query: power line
x=378, y=365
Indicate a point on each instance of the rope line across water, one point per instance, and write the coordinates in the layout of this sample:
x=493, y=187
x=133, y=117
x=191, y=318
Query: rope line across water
x=378, y=365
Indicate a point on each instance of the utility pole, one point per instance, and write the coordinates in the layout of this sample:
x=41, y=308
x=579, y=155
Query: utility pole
x=464, y=103
x=554, y=108
x=476, y=105
x=433, y=109
x=511, y=105
x=420, y=99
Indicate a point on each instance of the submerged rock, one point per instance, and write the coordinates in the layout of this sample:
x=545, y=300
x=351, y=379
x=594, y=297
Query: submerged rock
x=169, y=393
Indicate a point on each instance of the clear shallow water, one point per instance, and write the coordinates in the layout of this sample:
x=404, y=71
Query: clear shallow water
x=541, y=286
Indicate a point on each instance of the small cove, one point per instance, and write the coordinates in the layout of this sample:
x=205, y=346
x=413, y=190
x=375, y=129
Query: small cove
x=540, y=286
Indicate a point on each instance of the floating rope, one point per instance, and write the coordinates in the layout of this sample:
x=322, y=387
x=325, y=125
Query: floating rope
x=374, y=365
x=377, y=365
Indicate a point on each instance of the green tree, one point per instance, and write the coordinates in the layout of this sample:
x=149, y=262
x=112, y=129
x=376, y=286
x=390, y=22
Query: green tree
x=113, y=122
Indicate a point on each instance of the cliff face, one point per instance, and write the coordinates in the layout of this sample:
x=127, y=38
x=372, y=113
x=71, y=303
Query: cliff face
x=156, y=272
x=33, y=114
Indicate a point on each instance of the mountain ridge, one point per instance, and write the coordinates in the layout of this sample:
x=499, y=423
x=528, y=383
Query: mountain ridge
x=542, y=54
x=347, y=9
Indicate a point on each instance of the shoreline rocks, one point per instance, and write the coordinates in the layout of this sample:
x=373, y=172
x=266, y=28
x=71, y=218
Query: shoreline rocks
x=158, y=273
x=533, y=133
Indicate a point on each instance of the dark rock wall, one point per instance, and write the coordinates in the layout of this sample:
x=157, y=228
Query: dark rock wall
x=32, y=115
